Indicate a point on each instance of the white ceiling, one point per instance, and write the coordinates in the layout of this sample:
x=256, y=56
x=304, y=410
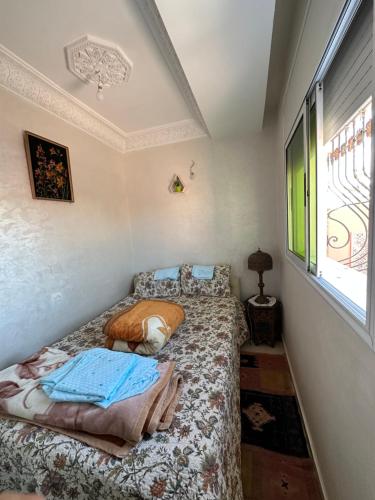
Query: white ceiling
x=38, y=30
x=222, y=45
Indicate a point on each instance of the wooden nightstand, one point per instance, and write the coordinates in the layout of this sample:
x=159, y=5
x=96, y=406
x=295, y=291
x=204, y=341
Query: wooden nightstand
x=264, y=321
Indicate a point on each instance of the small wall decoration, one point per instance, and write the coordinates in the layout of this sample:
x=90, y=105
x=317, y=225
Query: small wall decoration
x=49, y=169
x=176, y=185
x=192, y=173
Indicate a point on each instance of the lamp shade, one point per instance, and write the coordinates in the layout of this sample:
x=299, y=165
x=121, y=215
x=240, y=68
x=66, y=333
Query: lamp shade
x=260, y=261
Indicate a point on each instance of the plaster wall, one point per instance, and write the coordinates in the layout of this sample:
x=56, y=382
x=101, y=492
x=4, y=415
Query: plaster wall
x=60, y=263
x=227, y=211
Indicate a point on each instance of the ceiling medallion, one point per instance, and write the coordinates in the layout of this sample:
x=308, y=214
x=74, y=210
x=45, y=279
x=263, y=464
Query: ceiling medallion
x=97, y=61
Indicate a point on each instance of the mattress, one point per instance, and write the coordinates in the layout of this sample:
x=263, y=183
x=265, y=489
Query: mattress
x=197, y=458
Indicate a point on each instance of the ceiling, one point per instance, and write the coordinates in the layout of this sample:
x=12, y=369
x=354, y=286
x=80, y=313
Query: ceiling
x=224, y=47
x=38, y=30
x=203, y=62
x=288, y=20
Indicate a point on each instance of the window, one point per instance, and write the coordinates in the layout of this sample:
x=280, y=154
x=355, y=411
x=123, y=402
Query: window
x=296, y=192
x=344, y=199
x=329, y=166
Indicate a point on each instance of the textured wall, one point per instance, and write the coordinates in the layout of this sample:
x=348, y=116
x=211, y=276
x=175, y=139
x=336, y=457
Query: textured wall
x=60, y=263
x=227, y=211
x=334, y=368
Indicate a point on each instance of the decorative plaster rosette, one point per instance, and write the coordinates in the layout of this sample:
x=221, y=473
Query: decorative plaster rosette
x=93, y=60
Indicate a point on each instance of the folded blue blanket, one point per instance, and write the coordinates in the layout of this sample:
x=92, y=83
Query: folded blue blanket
x=169, y=273
x=203, y=272
x=101, y=376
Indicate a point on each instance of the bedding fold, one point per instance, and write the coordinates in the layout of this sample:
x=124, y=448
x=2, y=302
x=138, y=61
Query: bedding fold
x=169, y=273
x=203, y=272
x=128, y=420
x=101, y=377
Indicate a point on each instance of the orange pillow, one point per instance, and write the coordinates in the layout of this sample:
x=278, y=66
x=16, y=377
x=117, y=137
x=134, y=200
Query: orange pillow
x=145, y=327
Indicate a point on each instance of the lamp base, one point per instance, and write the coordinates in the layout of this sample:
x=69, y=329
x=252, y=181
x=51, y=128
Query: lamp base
x=262, y=299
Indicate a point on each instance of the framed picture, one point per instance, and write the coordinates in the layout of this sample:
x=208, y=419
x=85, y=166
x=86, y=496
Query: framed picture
x=49, y=169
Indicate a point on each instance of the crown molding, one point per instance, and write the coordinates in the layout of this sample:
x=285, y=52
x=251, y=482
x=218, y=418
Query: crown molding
x=157, y=27
x=184, y=130
x=25, y=81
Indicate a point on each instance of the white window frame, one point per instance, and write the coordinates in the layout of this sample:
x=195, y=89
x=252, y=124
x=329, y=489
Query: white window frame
x=363, y=325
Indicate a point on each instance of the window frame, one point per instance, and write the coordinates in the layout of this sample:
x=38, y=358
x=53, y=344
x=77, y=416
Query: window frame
x=363, y=325
x=298, y=261
x=311, y=101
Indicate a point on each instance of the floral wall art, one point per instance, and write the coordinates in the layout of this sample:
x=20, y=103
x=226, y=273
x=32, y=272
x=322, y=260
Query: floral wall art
x=49, y=169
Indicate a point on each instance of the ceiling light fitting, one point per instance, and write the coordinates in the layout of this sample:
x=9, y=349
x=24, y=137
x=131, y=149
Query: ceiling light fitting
x=99, y=94
x=97, y=61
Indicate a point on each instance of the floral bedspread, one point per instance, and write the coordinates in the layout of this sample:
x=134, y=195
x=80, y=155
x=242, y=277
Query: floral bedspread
x=197, y=458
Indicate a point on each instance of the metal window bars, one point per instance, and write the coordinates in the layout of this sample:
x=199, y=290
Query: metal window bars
x=348, y=191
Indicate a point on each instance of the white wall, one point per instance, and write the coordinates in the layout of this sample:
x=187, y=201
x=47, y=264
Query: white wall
x=60, y=263
x=227, y=211
x=334, y=368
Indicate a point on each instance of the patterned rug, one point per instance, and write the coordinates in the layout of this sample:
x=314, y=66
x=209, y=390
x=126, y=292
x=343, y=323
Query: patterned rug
x=275, y=457
x=272, y=422
x=266, y=373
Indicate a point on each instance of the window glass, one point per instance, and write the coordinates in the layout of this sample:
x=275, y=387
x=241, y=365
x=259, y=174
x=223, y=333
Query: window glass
x=344, y=198
x=296, y=192
x=312, y=188
x=344, y=168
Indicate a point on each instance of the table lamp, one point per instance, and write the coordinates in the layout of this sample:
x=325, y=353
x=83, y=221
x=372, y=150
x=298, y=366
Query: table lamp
x=260, y=261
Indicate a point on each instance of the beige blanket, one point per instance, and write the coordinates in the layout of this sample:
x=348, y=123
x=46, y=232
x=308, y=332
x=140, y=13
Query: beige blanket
x=115, y=430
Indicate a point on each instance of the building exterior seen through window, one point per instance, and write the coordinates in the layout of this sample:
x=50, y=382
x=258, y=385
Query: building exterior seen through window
x=344, y=198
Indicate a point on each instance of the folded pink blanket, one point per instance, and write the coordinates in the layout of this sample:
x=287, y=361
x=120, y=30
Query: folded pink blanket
x=114, y=429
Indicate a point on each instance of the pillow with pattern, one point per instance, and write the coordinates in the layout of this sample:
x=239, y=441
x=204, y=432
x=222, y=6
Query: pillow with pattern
x=145, y=285
x=219, y=286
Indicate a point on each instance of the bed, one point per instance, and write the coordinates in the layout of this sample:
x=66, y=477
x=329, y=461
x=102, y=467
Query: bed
x=198, y=457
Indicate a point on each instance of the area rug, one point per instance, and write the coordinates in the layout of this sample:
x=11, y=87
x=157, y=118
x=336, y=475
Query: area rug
x=266, y=373
x=272, y=422
x=276, y=463
x=270, y=476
